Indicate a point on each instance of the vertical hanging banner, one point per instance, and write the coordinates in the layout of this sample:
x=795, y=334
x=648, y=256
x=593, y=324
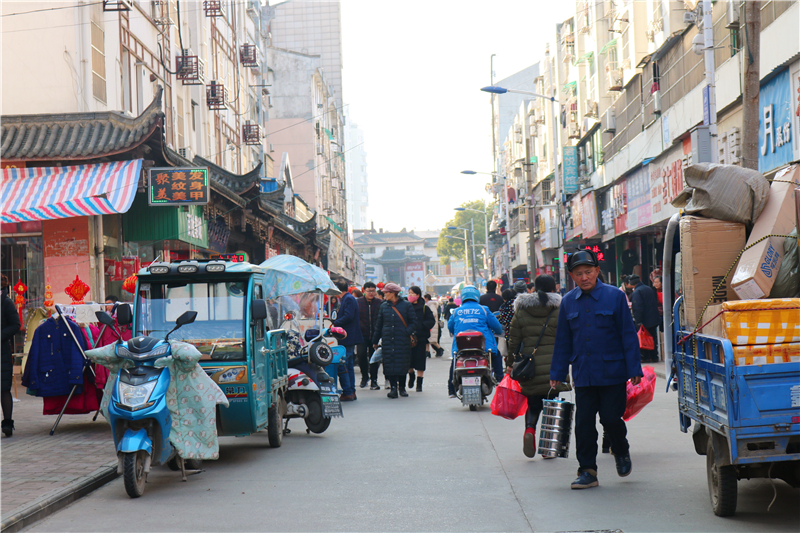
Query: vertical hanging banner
x=178, y=186
x=570, y=168
x=775, y=123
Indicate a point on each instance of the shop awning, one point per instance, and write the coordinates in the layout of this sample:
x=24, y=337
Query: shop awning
x=44, y=193
x=334, y=224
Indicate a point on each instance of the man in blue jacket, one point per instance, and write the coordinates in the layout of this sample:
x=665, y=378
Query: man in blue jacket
x=472, y=316
x=347, y=318
x=596, y=336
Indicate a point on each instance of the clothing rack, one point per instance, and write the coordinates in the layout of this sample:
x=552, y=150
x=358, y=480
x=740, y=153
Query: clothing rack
x=62, y=316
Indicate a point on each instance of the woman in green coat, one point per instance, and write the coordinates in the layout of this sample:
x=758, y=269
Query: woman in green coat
x=531, y=313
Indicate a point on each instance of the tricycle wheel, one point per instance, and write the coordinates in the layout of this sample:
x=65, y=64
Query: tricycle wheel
x=315, y=421
x=173, y=465
x=193, y=464
x=274, y=427
x=133, y=473
x=721, y=484
x=473, y=407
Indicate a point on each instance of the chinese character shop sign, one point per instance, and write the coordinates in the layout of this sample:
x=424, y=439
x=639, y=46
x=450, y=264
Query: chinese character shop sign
x=178, y=186
x=775, y=123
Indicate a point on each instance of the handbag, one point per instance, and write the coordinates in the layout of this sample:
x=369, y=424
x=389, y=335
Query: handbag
x=413, y=336
x=646, y=341
x=525, y=368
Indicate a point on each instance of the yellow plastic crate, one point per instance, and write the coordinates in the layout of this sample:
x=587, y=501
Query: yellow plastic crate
x=766, y=354
x=760, y=322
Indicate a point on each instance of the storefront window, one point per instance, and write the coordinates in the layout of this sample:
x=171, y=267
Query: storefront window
x=22, y=260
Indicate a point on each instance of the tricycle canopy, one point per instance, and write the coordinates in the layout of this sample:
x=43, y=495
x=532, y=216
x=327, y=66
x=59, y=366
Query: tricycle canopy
x=285, y=275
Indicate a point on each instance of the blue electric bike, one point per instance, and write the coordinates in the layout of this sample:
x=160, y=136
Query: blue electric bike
x=137, y=411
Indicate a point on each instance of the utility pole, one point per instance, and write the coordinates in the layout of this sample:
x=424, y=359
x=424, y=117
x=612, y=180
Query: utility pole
x=474, y=266
x=556, y=177
x=531, y=215
x=751, y=51
x=708, y=50
x=494, y=154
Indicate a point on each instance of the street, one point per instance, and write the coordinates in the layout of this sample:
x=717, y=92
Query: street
x=424, y=463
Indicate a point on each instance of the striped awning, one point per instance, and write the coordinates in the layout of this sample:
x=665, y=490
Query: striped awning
x=43, y=193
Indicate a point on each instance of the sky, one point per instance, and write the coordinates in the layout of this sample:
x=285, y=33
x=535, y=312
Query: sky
x=412, y=73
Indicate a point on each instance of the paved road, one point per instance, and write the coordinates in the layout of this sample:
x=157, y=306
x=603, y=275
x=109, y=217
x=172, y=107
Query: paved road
x=424, y=463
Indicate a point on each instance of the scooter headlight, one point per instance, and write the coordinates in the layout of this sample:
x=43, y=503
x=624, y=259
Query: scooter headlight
x=136, y=396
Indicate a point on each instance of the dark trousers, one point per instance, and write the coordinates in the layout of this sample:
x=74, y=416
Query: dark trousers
x=535, y=407
x=368, y=370
x=609, y=402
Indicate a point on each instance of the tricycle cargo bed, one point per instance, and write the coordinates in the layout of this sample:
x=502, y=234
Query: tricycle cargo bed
x=755, y=406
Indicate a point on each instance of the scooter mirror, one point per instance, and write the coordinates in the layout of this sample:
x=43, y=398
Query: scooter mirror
x=124, y=314
x=186, y=318
x=333, y=316
x=104, y=318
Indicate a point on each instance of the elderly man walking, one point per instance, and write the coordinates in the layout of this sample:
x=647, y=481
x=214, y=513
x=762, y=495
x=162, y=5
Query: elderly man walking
x=595, y=335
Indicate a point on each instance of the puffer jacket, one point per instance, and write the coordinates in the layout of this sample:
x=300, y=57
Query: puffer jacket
x=526, y=326
x=55, y=363
x=394, y=337
x=425, y=321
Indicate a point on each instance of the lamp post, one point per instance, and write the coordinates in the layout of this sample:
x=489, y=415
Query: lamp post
x=466, y=244
x=465, y=249
x=506, y=266
x=485, y=231
x=493, y=89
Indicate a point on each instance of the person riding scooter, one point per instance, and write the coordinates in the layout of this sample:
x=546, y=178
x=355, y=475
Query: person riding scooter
x=472, y=316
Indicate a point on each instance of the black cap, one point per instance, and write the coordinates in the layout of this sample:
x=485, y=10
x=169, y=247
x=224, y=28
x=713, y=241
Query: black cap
x=582, y=257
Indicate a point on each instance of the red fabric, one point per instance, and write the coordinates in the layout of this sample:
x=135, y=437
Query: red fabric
x=109, y=337
x=646, y=341
x=641, y=394
x=86, y=402
x=508, y=400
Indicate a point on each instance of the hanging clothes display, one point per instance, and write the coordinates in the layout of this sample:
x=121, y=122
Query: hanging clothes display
x=55, y=363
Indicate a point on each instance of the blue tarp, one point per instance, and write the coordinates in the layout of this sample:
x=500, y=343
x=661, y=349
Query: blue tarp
x=285, y=275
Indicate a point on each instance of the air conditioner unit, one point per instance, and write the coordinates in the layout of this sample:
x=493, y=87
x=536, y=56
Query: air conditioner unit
x=159, y=12
x=186, y=153
x=657, y=102
x=689, y=17
x=591, y=109
x=615, y=77
x=609, y=122
x=533, y=130
x=586, y=29
x=271, y=148
x=573, y=132
x=733, y=14
x=253, y=9
x=320, y=149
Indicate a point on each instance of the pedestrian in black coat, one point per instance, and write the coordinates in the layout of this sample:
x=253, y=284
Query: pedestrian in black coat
x=397, y=321
x=368, y=306
x=425, y=321
x=10, y=326
x=644, y=307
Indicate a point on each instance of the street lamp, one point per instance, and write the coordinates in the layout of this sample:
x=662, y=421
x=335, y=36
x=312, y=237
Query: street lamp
x=494, y=89
x=466, y=251
x=466, y=281
x=485, y=231
x=506, y=266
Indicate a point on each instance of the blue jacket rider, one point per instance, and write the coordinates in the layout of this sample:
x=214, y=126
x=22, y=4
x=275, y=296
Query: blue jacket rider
x=472, y=316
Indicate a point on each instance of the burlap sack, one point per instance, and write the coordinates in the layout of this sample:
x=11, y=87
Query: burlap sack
x=723, y=192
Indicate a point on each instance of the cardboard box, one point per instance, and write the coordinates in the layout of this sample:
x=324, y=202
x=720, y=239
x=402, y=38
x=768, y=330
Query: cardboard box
x=708, y=249
x=759, y=265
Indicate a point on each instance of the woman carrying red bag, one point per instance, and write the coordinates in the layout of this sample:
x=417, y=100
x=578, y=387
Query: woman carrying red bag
x=533, y=334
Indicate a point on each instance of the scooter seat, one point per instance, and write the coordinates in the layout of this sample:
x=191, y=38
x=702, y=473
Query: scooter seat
x=311, y=334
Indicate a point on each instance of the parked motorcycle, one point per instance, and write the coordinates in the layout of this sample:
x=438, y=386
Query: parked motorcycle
x=138, y=411
x=472, y=377
x=312, y=394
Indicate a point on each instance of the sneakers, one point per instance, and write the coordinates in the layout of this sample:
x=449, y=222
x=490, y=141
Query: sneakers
x=374, y=386
x=624, y=465
x=585, y=480
x=529, y=443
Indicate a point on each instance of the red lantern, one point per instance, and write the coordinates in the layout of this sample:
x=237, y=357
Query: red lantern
x=129, y=285
x=77, y=290
x=20, y=289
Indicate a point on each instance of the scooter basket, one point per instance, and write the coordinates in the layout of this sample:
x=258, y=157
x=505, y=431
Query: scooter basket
x=556, y=428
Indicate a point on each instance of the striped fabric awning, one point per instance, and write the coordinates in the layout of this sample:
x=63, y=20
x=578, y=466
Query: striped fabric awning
x=43, y=193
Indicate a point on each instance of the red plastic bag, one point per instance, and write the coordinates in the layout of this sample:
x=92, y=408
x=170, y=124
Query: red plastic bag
x=508, y=401
x=641, y=394
x=646, y=341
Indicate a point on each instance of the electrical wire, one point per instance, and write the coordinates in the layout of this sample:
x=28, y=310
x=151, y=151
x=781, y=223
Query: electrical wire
x=48, y=9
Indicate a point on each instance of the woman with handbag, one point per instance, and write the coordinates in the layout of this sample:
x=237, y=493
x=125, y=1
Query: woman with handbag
x=531, y=339
x=396, y=329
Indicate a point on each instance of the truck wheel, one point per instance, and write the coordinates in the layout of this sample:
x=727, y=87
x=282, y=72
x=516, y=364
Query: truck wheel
x=315, y=421
x=133, y=473
x=274, y=427
x=721, y=484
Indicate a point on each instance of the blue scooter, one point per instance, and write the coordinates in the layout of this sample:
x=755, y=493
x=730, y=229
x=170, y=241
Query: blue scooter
x=137, y=411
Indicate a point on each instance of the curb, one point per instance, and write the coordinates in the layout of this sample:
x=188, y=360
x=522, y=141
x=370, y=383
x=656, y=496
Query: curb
x=48, y=504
